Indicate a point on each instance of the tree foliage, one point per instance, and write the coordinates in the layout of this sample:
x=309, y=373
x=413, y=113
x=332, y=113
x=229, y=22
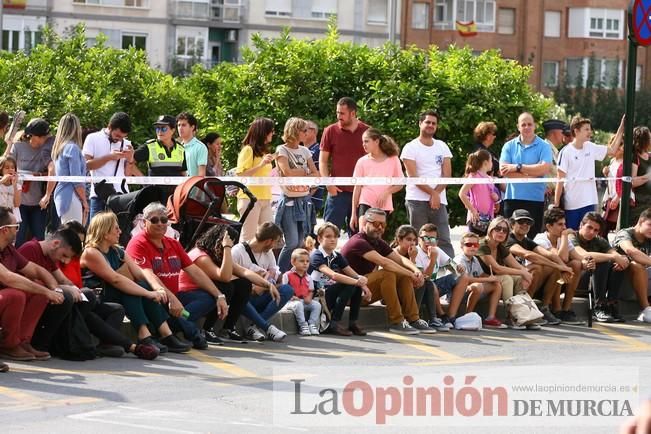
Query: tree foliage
x=64, y=75
x=289, y=77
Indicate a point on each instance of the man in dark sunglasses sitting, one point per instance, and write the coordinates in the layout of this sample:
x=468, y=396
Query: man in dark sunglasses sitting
x=394, y=283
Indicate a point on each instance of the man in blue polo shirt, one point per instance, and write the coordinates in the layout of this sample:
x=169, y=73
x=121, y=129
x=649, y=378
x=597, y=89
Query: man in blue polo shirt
x=526, y=156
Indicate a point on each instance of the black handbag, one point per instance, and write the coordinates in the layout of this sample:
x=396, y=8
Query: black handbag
x=104, y=190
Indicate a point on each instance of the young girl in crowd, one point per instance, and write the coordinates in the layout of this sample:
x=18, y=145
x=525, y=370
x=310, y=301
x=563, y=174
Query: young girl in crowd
x=406, y=244
x=479, y=199
x=381, y=160
x=9, y=189
x=303, y=302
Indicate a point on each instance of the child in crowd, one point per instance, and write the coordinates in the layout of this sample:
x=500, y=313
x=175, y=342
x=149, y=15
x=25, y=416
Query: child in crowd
x=341, y=283
x=479, y=199
x=481, y=284
x=430, y=258
x=303, y=302
x=405, y=244
x=9, y=188
x=381, y=160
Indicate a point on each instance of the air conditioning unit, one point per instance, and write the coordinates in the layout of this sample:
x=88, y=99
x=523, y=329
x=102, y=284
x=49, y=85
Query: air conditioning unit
x=231, y=35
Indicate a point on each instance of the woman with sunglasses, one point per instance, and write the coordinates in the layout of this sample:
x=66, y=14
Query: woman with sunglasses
x=162, y=259
x=124, y=282
x=497, y=260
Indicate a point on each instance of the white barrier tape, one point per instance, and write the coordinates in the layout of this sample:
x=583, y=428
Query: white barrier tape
x=299, y=180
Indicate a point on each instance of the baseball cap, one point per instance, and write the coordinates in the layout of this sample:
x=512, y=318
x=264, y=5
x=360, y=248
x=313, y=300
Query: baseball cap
x=166, y=120
x=554, y=124
x=521, y=214
x=37, y=127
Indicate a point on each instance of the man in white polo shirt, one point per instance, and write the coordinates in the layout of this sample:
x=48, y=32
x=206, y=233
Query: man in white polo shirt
x=108, y=153
x=429, y=157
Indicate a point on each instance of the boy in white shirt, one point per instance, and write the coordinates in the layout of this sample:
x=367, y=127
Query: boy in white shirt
x=431, y=259
x=577, y=160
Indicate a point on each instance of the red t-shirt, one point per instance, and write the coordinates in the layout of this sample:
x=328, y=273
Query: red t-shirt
x=14, y=261
x=72, y=270
x=345, y=149
x=33, y=252
x=166, y=263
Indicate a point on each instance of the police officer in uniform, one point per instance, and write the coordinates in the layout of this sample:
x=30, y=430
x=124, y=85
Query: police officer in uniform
x=164, y=155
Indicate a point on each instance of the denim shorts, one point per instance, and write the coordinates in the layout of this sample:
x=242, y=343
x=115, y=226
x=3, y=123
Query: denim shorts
x=446, y=284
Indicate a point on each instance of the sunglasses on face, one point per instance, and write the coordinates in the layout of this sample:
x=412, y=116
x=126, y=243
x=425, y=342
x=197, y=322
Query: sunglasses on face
x=162, y=129
x=157, y=220
x=502, y=229
x=428, y=239
x=471, y=244
x=523, y=222
x=14, y=226
x=377, y=224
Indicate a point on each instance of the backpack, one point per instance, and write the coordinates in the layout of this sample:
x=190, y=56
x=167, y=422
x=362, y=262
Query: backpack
x=73, y=340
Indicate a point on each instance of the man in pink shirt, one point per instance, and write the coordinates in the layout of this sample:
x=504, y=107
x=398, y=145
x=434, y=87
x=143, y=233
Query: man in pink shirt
x=342, y=143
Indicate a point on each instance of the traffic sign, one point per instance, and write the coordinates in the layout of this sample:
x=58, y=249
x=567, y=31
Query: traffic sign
x=640, y=22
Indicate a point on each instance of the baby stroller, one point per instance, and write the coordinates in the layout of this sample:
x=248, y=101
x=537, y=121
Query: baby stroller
x=128, y=206
x=196, y=205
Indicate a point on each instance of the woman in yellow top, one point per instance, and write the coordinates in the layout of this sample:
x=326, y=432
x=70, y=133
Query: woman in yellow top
x=255, y=160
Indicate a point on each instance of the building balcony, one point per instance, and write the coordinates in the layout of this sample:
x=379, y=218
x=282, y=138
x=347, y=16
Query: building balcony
x=17, y=5
x=220, y=11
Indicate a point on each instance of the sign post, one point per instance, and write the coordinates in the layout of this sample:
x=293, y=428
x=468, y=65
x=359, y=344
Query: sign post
x=639, y=34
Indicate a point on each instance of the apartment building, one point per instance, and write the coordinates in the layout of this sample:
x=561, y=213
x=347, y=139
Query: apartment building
x=178, y=33
x=557, y=37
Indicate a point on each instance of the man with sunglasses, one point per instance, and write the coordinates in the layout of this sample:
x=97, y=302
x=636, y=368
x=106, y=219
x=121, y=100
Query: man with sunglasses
x=545, y=266
x=109, y=153
x=164, y=155
x=22, y=298
x=394, y=283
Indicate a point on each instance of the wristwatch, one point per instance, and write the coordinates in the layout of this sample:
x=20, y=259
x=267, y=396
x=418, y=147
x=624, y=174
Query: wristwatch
x=518, y=168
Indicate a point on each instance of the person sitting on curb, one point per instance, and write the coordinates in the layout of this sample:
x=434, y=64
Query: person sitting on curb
x=394, y=283
x=556, y=240
x=124, y=282
x=545, y=267
x=266, y=301
x=341, y=283
x=635, y=243
x=303, y=302
x=22, y=298
x=162, y=259
x=605, y=269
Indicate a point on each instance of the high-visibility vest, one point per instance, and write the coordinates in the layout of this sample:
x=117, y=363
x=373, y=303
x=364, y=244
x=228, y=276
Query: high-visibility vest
x=158, y=155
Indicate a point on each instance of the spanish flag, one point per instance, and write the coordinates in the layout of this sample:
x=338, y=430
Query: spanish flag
x=14, y=4
x=466, y=29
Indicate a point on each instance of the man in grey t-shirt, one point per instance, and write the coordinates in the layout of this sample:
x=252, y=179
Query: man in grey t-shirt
x=33, y=157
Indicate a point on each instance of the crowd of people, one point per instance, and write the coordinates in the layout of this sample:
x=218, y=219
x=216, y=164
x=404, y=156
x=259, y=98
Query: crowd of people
x=65, y=293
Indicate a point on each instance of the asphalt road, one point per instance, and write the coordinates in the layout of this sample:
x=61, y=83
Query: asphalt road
x=231, y=388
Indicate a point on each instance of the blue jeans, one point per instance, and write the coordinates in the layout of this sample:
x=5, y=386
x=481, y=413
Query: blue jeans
x=97, y=205
x=33, y=222
x=198, y=302
x=338, y=209
x=261, y=308
x=294, y=237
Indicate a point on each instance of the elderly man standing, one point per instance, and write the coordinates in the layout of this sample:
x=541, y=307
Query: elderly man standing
x=163, y=258
x=426, y=156
x=526, y=156
x=341, y=147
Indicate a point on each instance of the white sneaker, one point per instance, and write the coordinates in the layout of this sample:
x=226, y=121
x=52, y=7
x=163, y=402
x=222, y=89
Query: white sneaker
x=304, y=330
x=275, y=334
x=314, y=330
x=645, y=315
x=253, y=334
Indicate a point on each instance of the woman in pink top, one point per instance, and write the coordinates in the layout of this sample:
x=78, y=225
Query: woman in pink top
x=381, y=160
x=479, y=199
